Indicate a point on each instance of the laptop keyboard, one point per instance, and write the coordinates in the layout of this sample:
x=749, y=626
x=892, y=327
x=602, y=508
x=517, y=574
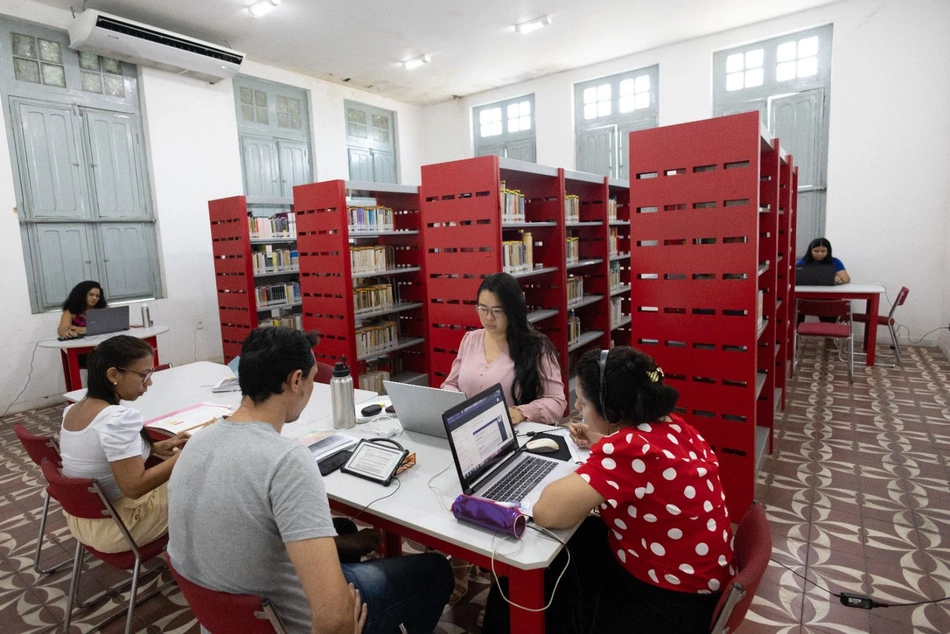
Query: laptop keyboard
x=520, y=480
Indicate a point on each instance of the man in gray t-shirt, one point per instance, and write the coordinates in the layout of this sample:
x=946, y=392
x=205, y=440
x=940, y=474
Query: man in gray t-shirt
x=248, y=512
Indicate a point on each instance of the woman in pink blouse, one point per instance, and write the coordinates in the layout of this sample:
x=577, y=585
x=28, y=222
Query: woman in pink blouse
x=508, y=350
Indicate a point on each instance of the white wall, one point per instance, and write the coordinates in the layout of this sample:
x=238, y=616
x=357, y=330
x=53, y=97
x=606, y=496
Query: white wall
x=192, y=145
x=889, y=160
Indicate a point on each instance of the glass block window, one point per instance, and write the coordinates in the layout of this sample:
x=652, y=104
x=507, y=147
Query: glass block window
x=288, y=112
x=381, y=128
x=597, y=102
x=519, y=116
x=489, y=122
x=38, y=61
x=356, y=123
x=101, y=75
x=797, y=59
x=745, y=70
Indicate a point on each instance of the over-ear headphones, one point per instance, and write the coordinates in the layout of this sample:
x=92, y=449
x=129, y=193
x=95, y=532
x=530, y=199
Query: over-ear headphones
x=603, y=383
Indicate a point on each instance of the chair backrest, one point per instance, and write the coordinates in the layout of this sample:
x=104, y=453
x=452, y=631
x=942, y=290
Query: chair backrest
x=38, y=447
x=226, y=612
x=78, y=496
x=324, y=373
x=825, y=307
x=753, y=545
x=899, y=300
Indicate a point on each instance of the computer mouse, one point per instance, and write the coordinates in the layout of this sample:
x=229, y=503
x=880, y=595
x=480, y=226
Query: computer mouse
x=542, y=445
x=371, y=410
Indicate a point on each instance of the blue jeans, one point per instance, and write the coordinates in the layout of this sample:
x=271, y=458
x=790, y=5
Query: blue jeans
x=411, y=590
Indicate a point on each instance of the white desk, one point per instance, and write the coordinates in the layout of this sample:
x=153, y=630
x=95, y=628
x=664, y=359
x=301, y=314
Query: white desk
x=870, y=293
x=70, y=349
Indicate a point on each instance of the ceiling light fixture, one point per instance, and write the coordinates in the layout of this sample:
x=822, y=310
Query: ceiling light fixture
x=262, y=7
x=533, y=25
x=415, y=63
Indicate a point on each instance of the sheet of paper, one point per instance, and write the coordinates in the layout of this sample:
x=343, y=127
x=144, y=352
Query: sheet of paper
x=326, y=443
x=190, y=419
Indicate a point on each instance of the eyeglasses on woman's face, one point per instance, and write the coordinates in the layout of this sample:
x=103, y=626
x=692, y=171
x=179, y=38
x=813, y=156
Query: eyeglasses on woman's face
x=145, y=375
x=496, y=312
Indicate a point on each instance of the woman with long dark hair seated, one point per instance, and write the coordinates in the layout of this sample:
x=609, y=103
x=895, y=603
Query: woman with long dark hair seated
x=85, y=295
x=106, y=441
x=660, y=552
x=819, y=254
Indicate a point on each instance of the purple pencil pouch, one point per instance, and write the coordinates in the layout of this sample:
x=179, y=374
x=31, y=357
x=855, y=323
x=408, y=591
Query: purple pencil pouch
x=491, y=515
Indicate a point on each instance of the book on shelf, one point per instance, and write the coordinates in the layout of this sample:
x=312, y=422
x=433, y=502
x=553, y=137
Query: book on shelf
x=613, y=240
x=365, y=218
x=372, y=259
x=573, y=327
x=612, y=210
x=278, y=294
x=282, y=225
x=616, y=311
x=266, y=259
x=575, y=289
x=572, y=208
x=372, y=380
x=376, y=337
x=614, y=276
x=573, y=249
x=373, y=297
x=512, y=205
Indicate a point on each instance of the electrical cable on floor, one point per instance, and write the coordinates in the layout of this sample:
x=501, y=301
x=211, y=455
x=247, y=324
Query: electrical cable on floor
x=922, y=337
x=854, y=600
x=28, y=377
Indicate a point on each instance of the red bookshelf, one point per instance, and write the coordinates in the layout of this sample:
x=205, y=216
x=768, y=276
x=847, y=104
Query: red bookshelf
x=785, y=310
x=704, y=200
x=390, y=336
x=619, y=191
x=464, y=233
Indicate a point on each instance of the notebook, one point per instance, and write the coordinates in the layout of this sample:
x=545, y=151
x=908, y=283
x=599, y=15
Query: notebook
x=487, y=457
x=420, y=408
x=100, y=321
x=815, y=275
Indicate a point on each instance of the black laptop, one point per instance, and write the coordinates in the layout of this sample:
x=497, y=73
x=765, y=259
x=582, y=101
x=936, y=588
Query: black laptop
x=101, y=321
x=815, y=275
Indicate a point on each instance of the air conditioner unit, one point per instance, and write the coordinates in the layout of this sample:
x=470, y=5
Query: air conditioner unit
x=137, y=43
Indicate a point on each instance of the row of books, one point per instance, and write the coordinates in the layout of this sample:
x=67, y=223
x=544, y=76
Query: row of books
x=575, y=289
x=275, y=294
x=616, y=311
x=372, y=380
x=614, y=275
x=372, y=259
x=512, y=205
x=373, y=297
x=612, y=210
x=370, y=218
x=572, y=208
x=288, y=321
x=573, y=327
x=517, y=256
x=613, y=240
x=270, y=260
x=573, y=249
x=280, y=226
x=376, y=337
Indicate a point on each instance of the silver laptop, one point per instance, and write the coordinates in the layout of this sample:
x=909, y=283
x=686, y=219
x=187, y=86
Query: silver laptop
x=487, y=457
x=420, y=408
x=100, y=321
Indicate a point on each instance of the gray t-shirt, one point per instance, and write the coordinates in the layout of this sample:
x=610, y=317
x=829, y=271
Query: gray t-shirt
x=238, y=492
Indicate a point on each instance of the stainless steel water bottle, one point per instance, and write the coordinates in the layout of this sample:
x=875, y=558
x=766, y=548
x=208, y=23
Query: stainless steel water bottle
x=341, y=396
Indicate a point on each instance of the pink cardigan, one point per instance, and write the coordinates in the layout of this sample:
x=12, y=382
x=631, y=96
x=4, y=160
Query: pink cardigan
x=471, y=374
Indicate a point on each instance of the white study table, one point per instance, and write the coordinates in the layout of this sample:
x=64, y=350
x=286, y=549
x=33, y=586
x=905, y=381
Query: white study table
x=70, y=349
x=414, y=511
x=870, y=293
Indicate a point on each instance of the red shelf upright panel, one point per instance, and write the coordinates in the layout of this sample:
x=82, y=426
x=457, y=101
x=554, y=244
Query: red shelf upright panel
x=785, y=317
x=466, y=238
x=771, y=303
x=371, y=337
x=694, y=197
x=233, y=272
x=619, y=267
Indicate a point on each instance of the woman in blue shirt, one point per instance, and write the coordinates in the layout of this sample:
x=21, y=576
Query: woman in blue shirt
x=819, y=253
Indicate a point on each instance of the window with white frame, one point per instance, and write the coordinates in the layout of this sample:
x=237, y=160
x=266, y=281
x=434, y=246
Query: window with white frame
x=506, y=128
x=606, y=111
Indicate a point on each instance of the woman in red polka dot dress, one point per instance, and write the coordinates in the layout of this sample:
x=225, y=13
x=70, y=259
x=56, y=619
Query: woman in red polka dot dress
x=660, y=552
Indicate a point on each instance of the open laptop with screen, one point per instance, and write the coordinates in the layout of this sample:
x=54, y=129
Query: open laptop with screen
x=487, y=458
x=420, y=408
x=815, y=275
x=100, y=321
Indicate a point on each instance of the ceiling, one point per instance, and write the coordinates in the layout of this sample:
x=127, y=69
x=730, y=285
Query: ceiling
x=472, y=44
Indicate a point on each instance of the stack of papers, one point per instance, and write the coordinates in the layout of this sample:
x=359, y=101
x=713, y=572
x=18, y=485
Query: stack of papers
x=326, y=443
x=190, y=419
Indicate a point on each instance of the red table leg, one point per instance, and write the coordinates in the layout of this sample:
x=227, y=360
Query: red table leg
x=870, y=331
x=71, y=367
x=526, y=588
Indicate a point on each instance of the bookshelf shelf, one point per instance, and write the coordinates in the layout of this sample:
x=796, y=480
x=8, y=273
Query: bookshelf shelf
x=272, y=240
x=573, y=225
x=265, y=307
x=415, y=378
x=688, y=289
x=356, y=234
x=620, y=290
x=537, y=315
x=577, y=265
x=587, y=299
x=293, y=271
x=404, y=342
x=394, y=308
x=526, y=225
x=584, y=339
x=623, y=322
x=541, y=271
x=387, y=272
x=620, y=256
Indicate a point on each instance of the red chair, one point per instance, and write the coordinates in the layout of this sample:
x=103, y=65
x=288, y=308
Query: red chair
x=83, y=497
x=889, y=322
x=324, y=373
x=753, y=544
x=838, y=329
x=225, y=612
x=38, y=448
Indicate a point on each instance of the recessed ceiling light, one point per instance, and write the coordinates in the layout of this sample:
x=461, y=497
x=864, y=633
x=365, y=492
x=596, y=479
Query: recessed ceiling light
x=533, y=25
x=262, y=7
x=415, y=63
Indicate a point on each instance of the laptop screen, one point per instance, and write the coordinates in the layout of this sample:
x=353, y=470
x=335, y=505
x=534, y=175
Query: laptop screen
x=480, y=433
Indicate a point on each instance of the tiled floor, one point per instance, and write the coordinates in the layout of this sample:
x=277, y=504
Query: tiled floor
x=856, y=492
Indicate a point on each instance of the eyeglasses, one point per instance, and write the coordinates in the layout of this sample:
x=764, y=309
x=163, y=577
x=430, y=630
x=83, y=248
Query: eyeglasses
x=496, y=311
x=145, y=375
